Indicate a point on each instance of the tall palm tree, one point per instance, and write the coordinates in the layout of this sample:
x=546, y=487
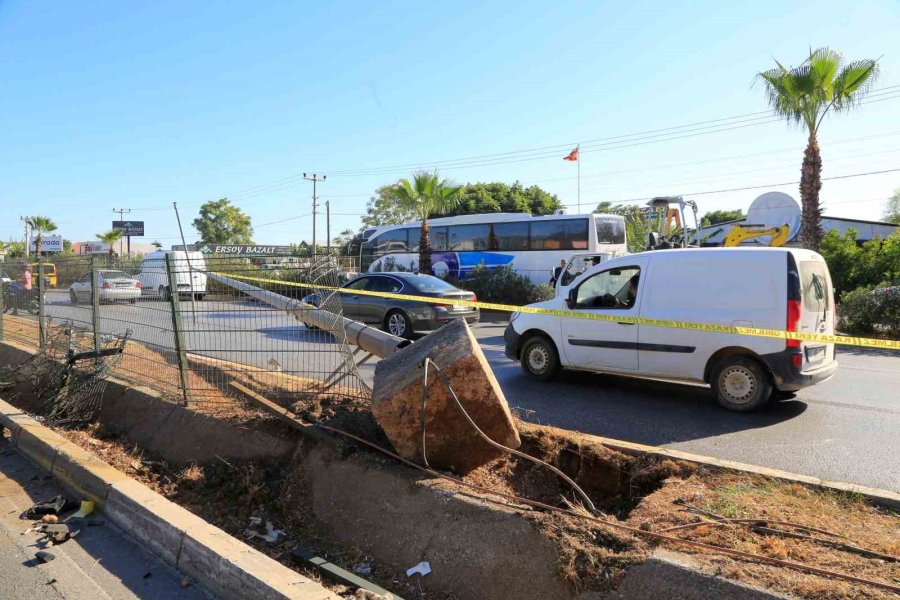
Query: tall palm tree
x=110, y=237
x=823, y=82
x=39, y=226
x=425, y=196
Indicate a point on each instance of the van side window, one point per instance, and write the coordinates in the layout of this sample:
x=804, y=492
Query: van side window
x=615, y=288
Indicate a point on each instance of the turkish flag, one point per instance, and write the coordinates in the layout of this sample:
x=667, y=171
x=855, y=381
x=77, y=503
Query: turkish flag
x=573, y=155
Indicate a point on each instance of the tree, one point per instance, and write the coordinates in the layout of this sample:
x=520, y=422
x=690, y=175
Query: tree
x=721, y=216
x=639, y=221
x=494, y=197
x=222, y=223
x=348, y=242
x=39, y=226
x=823, y=82
x=383, y=209
x=14, y=248
x=892, y=210
x=425, y=196
x=110, y=237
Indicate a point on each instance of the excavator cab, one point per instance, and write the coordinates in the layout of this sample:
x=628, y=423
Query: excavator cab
x=673, y=230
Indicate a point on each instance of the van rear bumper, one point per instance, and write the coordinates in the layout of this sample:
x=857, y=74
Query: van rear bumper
x=789, y=378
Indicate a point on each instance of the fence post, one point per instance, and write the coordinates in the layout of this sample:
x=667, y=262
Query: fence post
x=40, y=291
x=177, y=328
x=95, y=301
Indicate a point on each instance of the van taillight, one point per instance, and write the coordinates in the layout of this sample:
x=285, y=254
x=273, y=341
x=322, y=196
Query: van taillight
x=793, y=321
x=137, y=284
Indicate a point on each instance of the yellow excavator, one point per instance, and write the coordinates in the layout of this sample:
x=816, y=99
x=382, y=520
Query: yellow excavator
x=740, y=233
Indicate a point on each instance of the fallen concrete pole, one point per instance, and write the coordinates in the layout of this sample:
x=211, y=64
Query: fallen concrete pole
x=371, y=340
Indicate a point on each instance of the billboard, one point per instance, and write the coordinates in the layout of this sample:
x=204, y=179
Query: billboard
x=130, y=228
x=49, y=243
x=93, y=248
x=243, y=249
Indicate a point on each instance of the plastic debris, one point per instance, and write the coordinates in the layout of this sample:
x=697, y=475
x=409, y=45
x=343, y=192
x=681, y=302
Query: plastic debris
x=87, y=507
x=362, y=569
x=423, y=569
x=271, y=534
x=53, y=506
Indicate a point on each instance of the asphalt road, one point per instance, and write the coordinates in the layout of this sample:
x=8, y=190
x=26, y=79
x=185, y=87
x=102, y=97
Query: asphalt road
x=845, y=429
x=100, y=563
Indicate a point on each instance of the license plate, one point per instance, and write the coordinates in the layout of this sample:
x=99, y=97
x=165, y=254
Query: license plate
x=456, y=308
x=815, y=354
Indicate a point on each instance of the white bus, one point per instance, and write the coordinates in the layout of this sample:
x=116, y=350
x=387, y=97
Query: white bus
x=533, y=246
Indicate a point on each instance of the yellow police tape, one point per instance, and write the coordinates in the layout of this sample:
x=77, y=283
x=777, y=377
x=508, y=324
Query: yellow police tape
x=730, y=329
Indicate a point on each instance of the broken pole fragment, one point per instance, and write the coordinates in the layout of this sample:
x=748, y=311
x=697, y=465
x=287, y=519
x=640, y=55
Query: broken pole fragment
x=451, y=442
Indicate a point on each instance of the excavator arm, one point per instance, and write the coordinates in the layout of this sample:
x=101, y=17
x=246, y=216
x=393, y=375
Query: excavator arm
x=740, y=233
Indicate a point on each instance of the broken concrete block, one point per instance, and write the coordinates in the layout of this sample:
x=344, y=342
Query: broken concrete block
x=451, y=442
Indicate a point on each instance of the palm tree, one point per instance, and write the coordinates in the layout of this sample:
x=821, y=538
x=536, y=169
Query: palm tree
x=110, y=237
x=427, y=195
x=156, y=244
x=824, y=82
x=39, y=226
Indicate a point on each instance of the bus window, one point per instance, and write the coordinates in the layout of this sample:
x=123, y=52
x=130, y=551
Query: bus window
x=468, y=237
x=438, y=237
x=413, y=235
x=390, y=241
x=610, y=231
x=509, y=236
x=561, y=234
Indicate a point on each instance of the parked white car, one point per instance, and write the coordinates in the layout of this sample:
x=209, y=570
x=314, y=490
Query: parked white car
x=189, y=268
x=772, y=288
x=114, y=285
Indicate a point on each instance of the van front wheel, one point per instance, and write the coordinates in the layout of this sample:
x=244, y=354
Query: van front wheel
x=539, y=358
x=741, y=384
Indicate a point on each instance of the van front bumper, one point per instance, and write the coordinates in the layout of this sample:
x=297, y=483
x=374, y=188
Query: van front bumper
x=512, y=340
x=789, y=378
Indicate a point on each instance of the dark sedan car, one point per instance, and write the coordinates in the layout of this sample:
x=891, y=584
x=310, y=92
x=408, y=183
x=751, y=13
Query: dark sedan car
x=402, y=317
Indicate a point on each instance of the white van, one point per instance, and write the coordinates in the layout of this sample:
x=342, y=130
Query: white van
x=772, y=288
x=190, y=274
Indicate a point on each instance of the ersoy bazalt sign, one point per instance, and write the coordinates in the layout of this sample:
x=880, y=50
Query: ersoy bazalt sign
x=130, y=228
x=243, y=249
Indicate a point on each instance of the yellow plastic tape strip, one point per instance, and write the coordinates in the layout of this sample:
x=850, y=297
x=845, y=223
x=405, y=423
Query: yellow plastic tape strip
x=729, y=329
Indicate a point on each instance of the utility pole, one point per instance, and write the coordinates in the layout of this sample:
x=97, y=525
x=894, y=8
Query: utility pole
x=315, y=179
x=328, y=226
x=25, y=221
x=121, y=211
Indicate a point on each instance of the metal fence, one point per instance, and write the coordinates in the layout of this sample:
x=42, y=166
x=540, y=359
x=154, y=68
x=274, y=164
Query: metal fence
x=189, y=336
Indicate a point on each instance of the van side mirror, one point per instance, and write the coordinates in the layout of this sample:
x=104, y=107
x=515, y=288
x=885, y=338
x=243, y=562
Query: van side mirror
x=572, y=298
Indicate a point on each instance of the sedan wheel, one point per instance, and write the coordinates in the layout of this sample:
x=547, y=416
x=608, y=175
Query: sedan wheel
x=397, y=323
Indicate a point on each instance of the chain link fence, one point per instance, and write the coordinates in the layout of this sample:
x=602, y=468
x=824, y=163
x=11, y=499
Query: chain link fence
x=185, y=333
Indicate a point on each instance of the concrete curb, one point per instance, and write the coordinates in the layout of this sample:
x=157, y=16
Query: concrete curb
x=877, y=496
x=222, y=564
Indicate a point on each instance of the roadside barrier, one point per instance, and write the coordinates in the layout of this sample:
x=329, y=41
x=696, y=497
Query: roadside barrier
x=729, y=329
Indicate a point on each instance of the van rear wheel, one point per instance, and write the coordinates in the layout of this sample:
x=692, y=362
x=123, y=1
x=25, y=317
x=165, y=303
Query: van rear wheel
x=741, y=384
x=539, y=358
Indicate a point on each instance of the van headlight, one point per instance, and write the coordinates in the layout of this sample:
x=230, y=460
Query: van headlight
x=514, y=316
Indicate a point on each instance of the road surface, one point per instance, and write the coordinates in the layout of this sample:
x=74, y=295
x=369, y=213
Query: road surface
x=101, y=563
x=845, y=429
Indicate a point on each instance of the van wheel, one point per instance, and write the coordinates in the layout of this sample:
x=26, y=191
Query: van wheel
x=539, y=358
x=741, y=384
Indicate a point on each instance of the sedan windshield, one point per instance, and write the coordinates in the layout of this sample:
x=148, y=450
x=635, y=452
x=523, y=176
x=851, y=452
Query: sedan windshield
x=428, y=283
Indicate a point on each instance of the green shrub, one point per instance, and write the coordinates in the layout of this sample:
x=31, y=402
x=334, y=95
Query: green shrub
x=504, y=286
x=856, y=312
x=866, y=310
x=854, y=266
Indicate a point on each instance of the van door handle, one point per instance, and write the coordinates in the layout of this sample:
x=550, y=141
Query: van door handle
x=623, y=323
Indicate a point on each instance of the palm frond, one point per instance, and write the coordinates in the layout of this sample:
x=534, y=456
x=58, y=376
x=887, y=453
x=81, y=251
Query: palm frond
x=855, y=81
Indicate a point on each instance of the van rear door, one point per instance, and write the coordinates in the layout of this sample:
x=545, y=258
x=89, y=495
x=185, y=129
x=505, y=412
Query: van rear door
x=818, y=313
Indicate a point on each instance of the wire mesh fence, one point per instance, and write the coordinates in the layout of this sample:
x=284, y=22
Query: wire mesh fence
x=185, y=333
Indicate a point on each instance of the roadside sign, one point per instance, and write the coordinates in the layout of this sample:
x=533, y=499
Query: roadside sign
x=130, y=228
x=243, y=249
x=93, y=248
x=50, y=243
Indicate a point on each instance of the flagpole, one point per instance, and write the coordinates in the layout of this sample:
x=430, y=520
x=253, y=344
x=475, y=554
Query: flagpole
x=578, y=160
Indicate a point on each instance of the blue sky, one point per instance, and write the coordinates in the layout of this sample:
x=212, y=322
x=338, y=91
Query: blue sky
x=108, y=104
